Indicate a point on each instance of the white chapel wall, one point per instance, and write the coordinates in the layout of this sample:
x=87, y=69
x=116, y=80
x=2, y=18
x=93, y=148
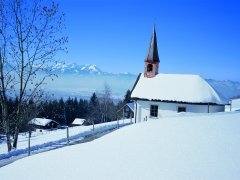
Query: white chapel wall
x=170, y=109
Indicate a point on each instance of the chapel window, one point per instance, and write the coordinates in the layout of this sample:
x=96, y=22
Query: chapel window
x=154, y=110
x=181, y=109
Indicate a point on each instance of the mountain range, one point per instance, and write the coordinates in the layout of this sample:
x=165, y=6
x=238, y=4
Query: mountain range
x=73, y=68
x=83, y=80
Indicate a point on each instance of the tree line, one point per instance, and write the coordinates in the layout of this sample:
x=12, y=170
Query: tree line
x=99, y=108
x=66, y=111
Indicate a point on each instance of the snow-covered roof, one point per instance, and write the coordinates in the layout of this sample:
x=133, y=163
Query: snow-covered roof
x=177, y=88
x=41, y=121
x=78, y=121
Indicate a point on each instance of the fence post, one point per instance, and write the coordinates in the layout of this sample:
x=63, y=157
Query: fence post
x=93, y=124
x=67, y=136
x=29, y=146
x=230, y=105
x=123, y=114
x=118, y=122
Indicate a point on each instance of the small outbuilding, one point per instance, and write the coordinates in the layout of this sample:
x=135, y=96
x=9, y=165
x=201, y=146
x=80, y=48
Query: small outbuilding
x=78, y=122
x=127, y=111
x=235, y=104
x=42, y=123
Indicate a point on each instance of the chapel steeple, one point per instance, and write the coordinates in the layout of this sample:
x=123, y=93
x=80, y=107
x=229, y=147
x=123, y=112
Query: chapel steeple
x=152, y=58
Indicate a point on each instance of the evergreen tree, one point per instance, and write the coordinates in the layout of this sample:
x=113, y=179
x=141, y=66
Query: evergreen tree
x=76, y=108
x=94, y=109
x=69, y=111
x=127, y=97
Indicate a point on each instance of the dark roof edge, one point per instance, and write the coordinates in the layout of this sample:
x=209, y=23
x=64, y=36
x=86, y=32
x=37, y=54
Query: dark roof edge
x=139, y=75
x=182, y=102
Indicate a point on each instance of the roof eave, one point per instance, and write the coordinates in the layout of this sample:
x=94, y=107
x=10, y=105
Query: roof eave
x=182, y=102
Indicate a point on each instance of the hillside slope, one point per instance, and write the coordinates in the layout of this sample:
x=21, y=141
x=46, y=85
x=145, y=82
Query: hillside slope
x=185, y=147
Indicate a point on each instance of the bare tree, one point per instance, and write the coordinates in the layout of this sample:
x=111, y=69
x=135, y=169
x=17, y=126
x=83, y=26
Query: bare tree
x=106, y=101
x=5, y=76
x=34, y=37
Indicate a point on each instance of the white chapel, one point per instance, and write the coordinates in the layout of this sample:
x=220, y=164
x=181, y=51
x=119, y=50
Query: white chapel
x=157, y=95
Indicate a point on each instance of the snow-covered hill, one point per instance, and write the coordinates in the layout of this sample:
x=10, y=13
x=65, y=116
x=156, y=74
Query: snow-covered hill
x=204, y=146
x=47, y=140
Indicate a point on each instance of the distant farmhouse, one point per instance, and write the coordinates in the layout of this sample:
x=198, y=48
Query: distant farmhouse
x=156, y=95
x=78, y=122
x=42, y=123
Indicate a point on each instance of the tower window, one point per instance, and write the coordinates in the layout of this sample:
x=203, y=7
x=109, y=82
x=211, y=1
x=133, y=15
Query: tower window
x=149, y=68
x=154, y=110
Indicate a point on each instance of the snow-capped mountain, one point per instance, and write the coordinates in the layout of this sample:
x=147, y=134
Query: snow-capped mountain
x=73, y=68
x=83, y=80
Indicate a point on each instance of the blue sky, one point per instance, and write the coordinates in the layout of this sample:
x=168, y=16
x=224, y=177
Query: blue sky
x=194, y=36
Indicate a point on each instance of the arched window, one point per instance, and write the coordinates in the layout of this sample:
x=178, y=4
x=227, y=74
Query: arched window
x=149, y=68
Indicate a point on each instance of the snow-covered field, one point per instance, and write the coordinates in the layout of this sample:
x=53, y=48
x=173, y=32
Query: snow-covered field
x=200, y=146
x=46, y=140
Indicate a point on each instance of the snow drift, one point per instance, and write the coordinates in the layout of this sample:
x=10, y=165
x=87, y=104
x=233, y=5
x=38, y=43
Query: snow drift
x=185, y=147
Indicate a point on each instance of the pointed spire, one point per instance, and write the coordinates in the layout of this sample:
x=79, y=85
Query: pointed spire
x=152, y=55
